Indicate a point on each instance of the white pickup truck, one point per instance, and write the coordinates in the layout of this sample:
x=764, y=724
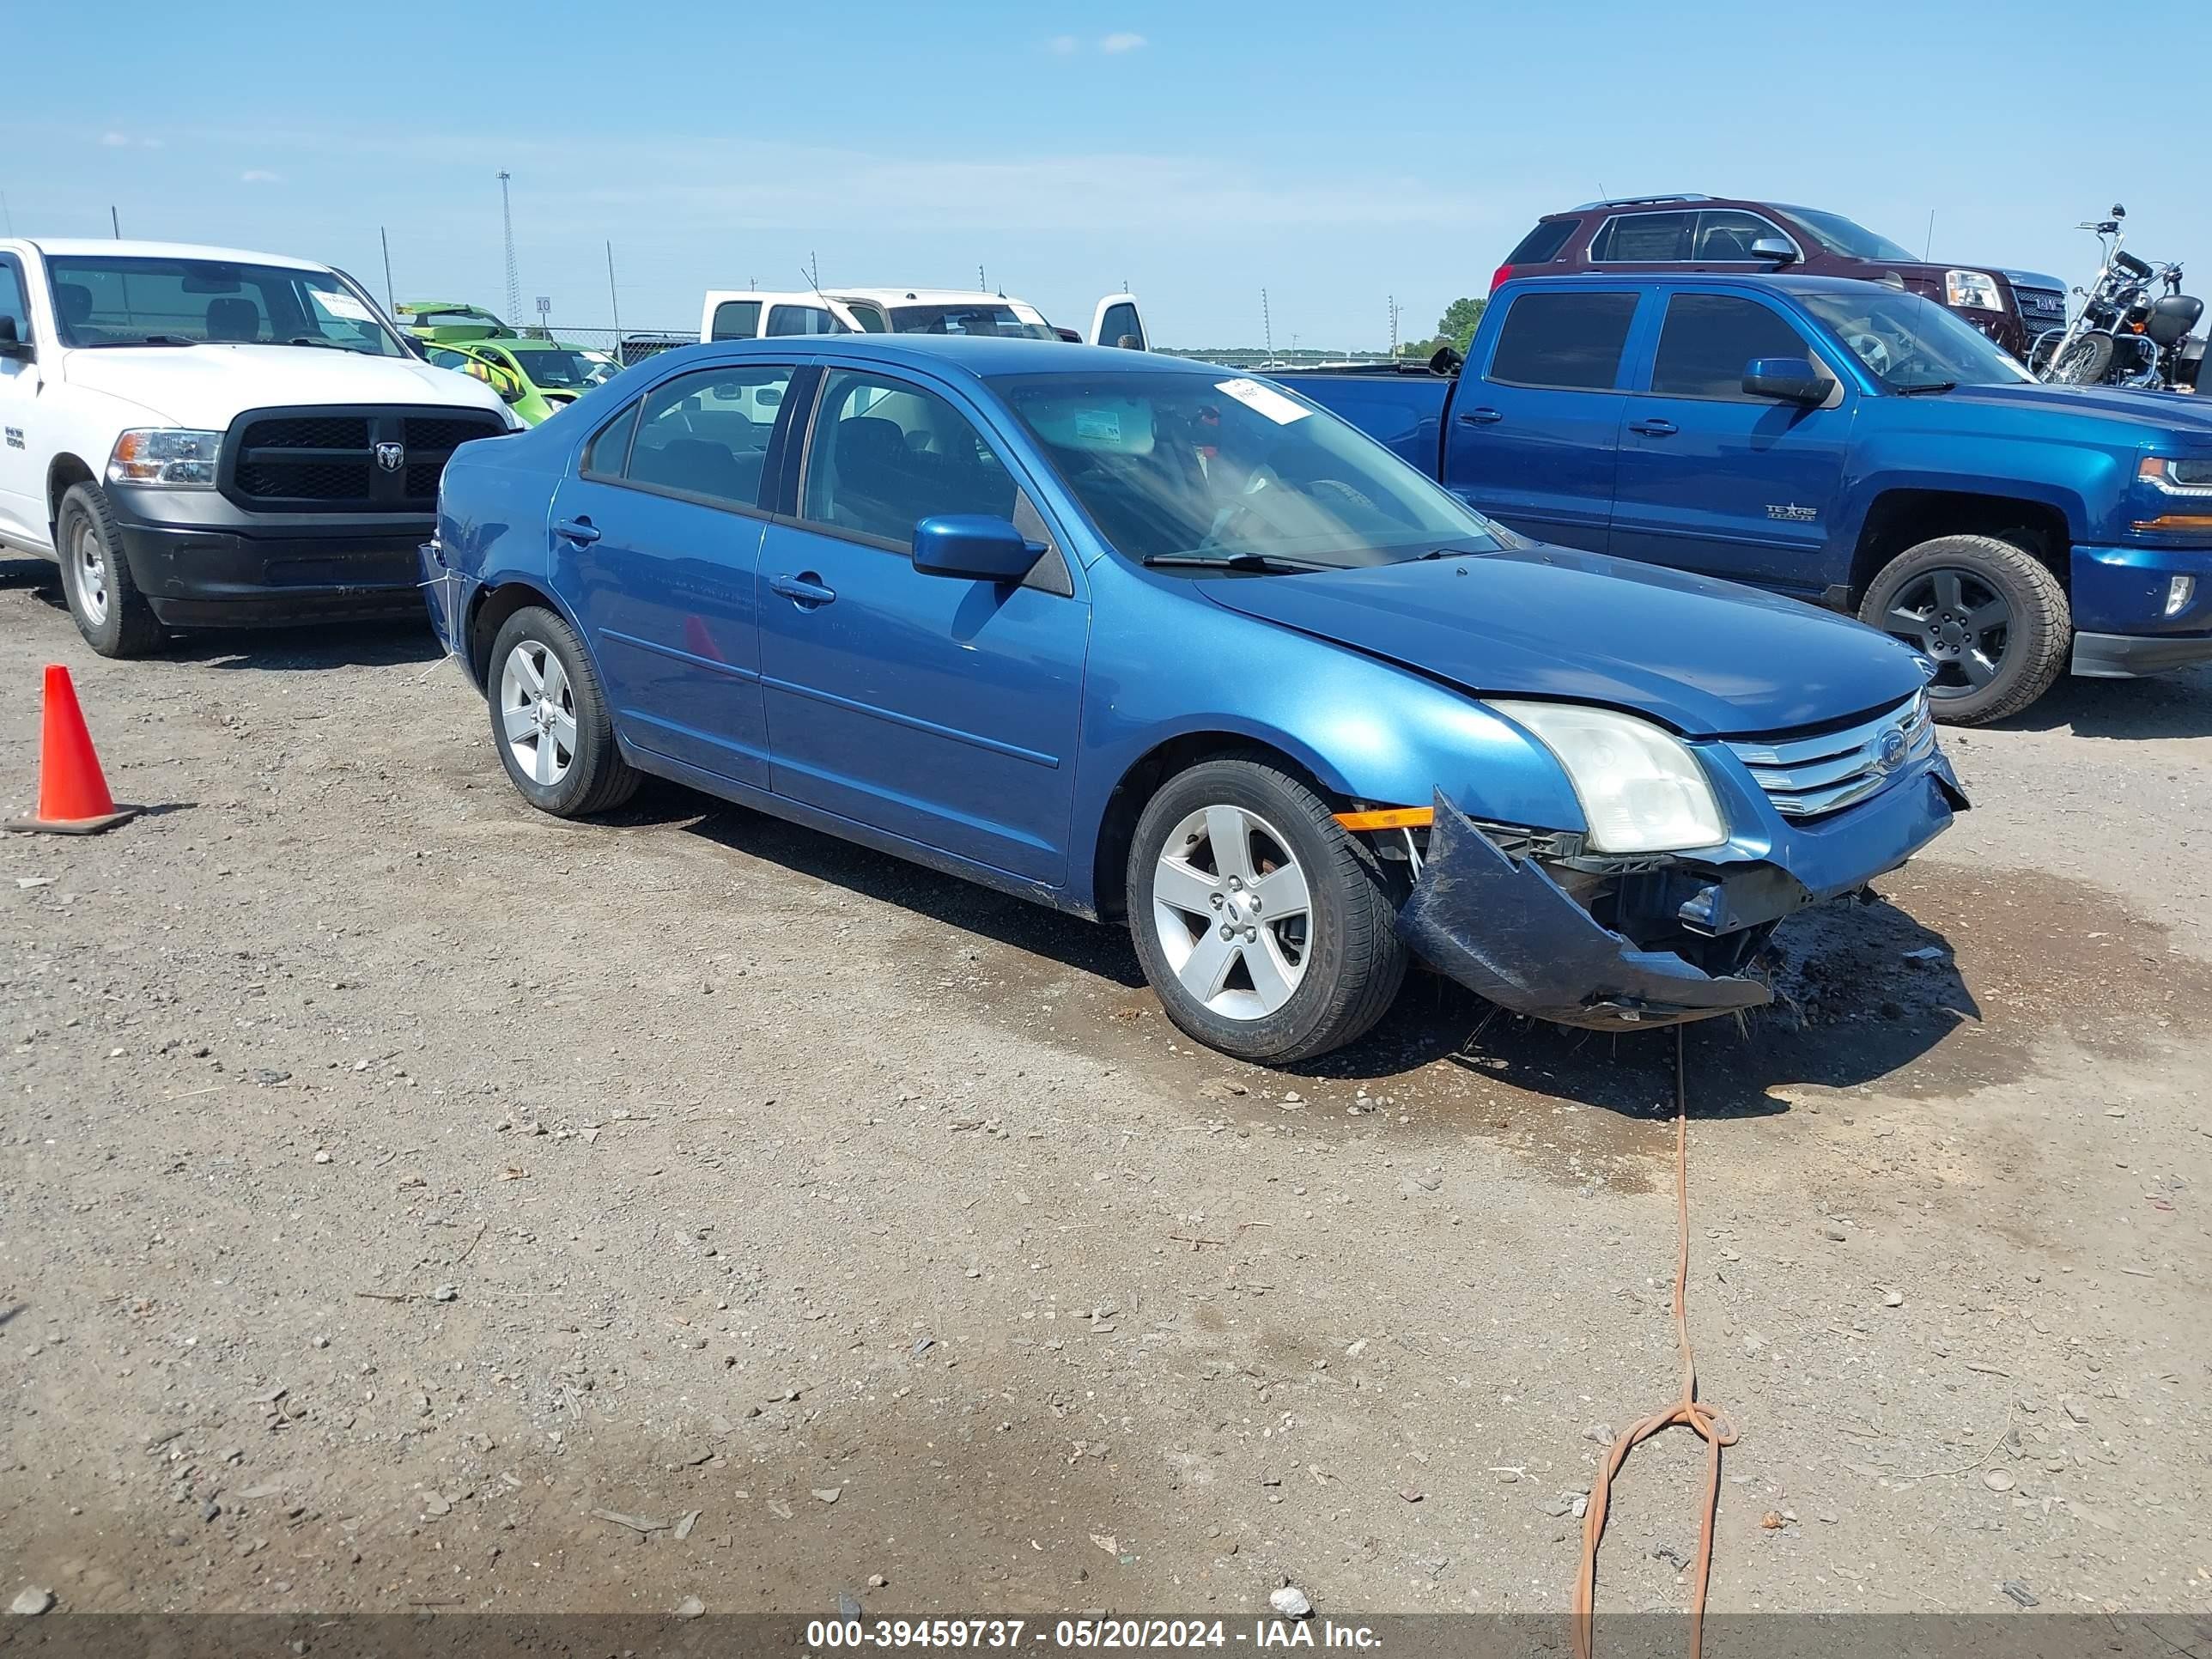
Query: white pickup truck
x=747, y=314
x=206, y=438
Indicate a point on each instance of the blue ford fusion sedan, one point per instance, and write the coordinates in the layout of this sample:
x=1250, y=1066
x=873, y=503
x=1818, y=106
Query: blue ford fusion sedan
x=1153, y=641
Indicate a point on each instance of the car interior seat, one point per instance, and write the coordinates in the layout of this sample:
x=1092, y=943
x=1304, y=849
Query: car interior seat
x=233, y=319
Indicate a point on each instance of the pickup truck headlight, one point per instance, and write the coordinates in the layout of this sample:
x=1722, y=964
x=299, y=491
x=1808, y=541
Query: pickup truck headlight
x=2188, y=475
x=1977, y=290
x=1641, y=789
x=166, y=458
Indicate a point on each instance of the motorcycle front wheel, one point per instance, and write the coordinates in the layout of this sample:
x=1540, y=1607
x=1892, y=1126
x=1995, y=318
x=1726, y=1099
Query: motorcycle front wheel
x=2085, y=362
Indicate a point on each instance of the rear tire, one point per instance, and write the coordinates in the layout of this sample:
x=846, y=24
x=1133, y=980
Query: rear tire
x=1990, y=616
x=104, y=602
x=550, y=718
x=2086, y=362
x=1266, y=929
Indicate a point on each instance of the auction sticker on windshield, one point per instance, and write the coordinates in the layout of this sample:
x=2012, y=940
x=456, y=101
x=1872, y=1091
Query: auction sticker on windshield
x=341, y=304
x=1264, y=400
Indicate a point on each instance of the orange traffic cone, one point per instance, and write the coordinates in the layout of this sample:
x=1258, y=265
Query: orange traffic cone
x=72, y=798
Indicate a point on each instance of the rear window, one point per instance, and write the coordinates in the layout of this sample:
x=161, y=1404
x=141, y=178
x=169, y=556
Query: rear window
x=1543, y=243
x=1569, y=341
x=736, y=319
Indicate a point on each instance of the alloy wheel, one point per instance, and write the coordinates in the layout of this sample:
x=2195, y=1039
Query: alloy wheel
x=1232, y=912
x=1958, y=621
x=538, y=712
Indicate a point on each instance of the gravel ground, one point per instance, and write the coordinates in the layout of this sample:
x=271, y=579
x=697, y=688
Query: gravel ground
x=410, y=1200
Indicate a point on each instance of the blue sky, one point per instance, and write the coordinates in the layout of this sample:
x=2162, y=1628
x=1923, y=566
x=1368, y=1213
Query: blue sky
x=1332, y=154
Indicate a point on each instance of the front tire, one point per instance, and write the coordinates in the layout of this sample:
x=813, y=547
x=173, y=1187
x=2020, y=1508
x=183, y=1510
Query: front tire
x=1990, y=616
x=2086, y=362
x=550, y=718
x=103, y=601
x=1265, y=928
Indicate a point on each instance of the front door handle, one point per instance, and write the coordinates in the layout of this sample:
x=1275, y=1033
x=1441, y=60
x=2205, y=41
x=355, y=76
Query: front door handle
x=1483, y=416
x=582, y=531
x=1654, y=428
x=805, y=591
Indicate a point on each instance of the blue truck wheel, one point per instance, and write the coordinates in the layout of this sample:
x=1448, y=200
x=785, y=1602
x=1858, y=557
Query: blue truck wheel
x=1990, y=616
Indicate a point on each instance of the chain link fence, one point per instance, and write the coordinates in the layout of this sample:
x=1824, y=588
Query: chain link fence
x=627, y=346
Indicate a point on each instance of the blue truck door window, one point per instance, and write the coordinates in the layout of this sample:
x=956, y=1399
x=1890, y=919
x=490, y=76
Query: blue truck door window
x=1533, y=441
x=655, y=542
x=938, y=708
x=1715, y=480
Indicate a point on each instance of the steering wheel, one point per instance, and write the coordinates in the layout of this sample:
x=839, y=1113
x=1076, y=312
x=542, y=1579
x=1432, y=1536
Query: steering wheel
x=1871, y=350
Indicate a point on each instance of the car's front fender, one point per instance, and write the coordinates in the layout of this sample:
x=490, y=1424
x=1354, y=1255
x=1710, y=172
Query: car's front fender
x=1166, y=667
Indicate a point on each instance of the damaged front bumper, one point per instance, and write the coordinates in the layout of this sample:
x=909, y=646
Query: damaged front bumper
x=1681, y=933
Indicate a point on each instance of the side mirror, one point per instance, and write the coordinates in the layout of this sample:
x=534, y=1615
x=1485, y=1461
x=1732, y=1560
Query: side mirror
x=974, y=545
x=1774, y=247
x=1791, y=380
x=12, y=343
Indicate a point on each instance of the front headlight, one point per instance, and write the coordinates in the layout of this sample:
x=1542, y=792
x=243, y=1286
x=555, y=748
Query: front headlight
x=1977, y=290
x=2186, y=475
x=166, y=458
x=1641, y=790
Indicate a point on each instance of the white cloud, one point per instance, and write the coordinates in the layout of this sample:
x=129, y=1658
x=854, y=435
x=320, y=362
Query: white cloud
x=115, y=140
x=1065, y=46
x=1121, y=43
x=258, y=176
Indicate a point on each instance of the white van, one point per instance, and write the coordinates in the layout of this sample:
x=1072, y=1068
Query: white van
x=747, y=314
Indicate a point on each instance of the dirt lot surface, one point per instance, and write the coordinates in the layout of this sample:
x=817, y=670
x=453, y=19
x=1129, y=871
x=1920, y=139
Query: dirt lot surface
x=410, y=1200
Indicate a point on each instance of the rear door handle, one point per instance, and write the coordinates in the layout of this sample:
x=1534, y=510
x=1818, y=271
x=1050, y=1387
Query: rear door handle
x=1484, y=416
x=805, y=591
x=582, y=531
x=1654, y=428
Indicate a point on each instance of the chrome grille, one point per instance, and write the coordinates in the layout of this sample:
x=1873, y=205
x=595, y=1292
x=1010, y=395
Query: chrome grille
x=1811, y=777
x=2040, y=307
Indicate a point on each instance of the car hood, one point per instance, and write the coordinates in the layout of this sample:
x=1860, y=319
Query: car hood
x=1706, y=658
x=207, y=387
x=2155, y=413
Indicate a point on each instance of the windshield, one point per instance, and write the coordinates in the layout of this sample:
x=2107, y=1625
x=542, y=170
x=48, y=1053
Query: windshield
x=1913, y=343
x=979, y=318
x=1848, y=238
x=564, y=369
x=134, y=300
x=1185, y=468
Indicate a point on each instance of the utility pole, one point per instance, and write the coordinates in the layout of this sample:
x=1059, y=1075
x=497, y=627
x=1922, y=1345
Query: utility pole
x=114, y=223
x=1267, y=325
x=614, y=304
x=389, y=304
x=813, y=269
x=506, y=224
x=982, y=283
x=1394, y=326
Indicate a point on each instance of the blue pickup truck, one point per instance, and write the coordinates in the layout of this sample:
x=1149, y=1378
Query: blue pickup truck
x=1840, y=442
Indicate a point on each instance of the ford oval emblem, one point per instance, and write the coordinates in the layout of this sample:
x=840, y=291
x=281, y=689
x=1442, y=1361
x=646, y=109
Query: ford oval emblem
x=1889, y=751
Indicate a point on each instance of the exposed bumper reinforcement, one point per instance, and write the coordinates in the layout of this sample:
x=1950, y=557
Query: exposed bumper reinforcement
x=1512, y=934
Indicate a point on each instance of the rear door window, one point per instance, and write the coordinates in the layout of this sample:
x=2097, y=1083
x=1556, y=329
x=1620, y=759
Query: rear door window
x=1708, y=338
x=1569, y=341
x=1542, y=243
x=11, y=298
x=736, y=319
x=802, y=319
x=1644, y=239
x=705, y=435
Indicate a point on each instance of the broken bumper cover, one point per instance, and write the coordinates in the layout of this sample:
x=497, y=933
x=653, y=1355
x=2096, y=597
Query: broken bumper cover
x=1506, y=929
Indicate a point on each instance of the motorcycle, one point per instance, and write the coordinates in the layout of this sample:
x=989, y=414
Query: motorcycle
x=2126, y=334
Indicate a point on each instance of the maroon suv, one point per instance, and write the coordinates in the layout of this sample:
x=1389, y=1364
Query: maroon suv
x=1714, y=232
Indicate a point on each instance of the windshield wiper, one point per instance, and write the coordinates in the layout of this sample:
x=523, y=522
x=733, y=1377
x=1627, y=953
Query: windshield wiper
x=1916, y=388
x=1237, y=562
x=334, y=345
x=151, y=339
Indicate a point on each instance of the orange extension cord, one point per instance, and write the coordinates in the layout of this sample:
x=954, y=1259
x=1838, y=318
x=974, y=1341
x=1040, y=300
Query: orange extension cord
x=1713, y=1428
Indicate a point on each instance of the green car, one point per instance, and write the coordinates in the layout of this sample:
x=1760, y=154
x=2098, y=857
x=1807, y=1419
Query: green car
x=445, y=322
x=535, y=377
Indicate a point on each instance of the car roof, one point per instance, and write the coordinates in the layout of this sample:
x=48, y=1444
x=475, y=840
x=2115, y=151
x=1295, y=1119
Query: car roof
x=80, y=246
x=1788, y=282
x=926, y=296
x=959, y=352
